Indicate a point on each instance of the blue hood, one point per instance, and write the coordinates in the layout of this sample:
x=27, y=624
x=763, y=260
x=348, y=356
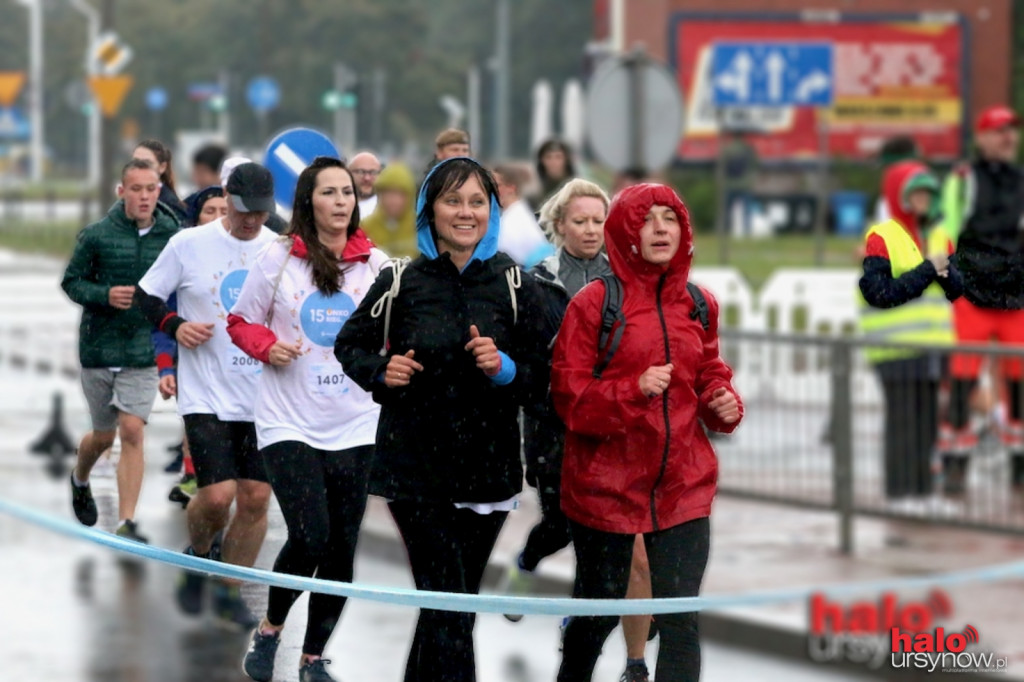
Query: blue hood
x=487, y=247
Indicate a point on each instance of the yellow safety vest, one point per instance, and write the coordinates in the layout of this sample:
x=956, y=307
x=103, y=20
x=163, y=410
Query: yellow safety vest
x=927, y=319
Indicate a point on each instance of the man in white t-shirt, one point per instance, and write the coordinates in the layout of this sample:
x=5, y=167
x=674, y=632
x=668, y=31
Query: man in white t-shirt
x=520, y=236
x=216, y=383
x=365, y=168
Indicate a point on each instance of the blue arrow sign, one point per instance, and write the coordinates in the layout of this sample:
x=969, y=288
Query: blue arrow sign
x=263, y=93
x=156, y=99
x=289, y=153
x=772, y=74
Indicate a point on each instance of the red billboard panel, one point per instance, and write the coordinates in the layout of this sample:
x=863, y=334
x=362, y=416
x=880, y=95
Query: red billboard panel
x=892, y=77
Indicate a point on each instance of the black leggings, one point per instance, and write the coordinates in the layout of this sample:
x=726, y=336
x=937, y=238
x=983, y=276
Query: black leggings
x=322, y=496
x=677, y=556
x=448, y=551
x=911, y=427
x=552, y=531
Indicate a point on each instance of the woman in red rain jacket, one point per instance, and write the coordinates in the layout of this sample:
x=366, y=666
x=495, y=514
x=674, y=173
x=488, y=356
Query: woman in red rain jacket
x=636, y=458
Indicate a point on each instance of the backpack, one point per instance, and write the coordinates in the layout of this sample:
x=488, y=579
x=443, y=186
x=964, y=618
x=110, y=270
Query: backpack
x=613, y=320
x=513, y=276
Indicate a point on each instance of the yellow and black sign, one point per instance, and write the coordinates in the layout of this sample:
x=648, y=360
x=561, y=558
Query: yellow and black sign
x=901, y=110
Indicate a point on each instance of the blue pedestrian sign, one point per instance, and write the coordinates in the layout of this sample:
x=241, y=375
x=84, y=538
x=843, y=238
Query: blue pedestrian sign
x=156, y=99
x=13, y=124
x=263, y=93
x=772, y=74
x=288, y=154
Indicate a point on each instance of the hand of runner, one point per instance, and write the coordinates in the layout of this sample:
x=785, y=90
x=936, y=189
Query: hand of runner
x=282, y=354
x=655, y=380
x=485, y=352
x=168, y=387
x=121, y=297
x=400, y=370
x=725, y=406
x=191, y=335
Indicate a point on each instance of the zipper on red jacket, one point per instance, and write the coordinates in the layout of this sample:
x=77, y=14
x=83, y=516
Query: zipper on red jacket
x=664, y=406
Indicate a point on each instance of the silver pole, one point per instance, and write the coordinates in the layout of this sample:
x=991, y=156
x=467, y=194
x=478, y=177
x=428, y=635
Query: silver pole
x=224, y=117
x=35, y=78
x=502, y=42
x=473, y=102
x=95, y=117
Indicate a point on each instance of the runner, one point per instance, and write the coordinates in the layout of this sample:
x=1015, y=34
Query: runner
x=315, y=427
x=205, y=267
x=115, y=347
x=636, y=458
x=448, y=443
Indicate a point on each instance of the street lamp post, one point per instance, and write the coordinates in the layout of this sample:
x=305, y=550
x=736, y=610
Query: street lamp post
x=35, y=78
x=95, y=118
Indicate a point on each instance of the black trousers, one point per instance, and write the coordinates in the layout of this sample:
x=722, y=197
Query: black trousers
x=911, y=428
x=322, y=496
x=677, y=556
x=552, y=531
x=448, y=551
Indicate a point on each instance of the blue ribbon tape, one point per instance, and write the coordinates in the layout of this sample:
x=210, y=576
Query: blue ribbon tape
x=488, y=603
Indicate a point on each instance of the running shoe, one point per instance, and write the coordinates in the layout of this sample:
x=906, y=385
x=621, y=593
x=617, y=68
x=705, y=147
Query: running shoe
x=184, y=491
x=315, y=671
x=635, y=673
x=516, y=582
x=130, y=531
x=230, y=609
x=174, y=466
x=83, y=503
x=190, y=589
x=258, y=663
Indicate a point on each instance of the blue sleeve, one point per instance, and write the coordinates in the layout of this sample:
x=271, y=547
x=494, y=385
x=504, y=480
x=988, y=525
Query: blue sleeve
x=507, y=372
x=881, y=290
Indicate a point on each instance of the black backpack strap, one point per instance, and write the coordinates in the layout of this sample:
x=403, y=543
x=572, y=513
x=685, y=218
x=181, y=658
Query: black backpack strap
x=700, y=305
x=613, y=323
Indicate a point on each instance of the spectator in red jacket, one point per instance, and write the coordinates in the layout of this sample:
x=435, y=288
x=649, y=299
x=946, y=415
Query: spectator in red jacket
x=636, y=458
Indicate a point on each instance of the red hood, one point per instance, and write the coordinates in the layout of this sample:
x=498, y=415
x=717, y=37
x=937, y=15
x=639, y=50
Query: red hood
x=622, y=235
x=356, y=249
x=893, y=182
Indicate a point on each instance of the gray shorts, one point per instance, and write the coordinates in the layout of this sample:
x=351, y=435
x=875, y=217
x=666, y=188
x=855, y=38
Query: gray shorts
x=131, y=390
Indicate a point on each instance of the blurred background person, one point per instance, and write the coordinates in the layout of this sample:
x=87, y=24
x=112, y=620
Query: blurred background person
x=160, y=156
x=365, y=169
x=521, y=236
x=908, y=281
x=984, y=210
x=392, y=225
x=554, y=168
x=206, y=163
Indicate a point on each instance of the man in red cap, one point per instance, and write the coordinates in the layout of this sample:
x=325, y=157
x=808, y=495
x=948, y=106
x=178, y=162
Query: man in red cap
x=984, y=209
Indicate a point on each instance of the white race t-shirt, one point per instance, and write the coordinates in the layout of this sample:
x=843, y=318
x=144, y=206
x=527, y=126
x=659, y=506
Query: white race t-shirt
x=310, y=400
x=207, y=267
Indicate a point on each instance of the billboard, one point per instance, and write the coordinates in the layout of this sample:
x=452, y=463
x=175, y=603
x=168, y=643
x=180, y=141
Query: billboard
x=894, y=75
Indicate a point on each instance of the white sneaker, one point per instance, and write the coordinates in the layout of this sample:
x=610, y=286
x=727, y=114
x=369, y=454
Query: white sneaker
x=937, y=505
x=908, y=506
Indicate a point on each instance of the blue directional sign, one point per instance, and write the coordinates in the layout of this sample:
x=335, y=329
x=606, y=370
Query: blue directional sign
x=263, y=93
x=772, y=74
x=289, y=153
x=13, y=124
x=156, y=99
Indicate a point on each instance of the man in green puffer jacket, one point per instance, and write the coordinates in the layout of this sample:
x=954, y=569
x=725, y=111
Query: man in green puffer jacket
x=119, y=374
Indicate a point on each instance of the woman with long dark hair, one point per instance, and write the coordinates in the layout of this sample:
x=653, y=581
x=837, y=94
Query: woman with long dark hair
x=315, y=428
x=160, y=157
x=450, y=348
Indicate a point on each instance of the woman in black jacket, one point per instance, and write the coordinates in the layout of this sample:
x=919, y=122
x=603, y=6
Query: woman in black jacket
x=450, y=348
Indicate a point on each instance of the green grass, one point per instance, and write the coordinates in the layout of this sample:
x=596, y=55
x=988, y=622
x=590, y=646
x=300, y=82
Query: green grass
x=54, y=239
x=57, y=189
x=758, y=258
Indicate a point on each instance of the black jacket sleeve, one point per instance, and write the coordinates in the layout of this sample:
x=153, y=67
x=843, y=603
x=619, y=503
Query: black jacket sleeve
x=881, y=290
x=953, y=283
x=358, y=344
x=161, y=315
